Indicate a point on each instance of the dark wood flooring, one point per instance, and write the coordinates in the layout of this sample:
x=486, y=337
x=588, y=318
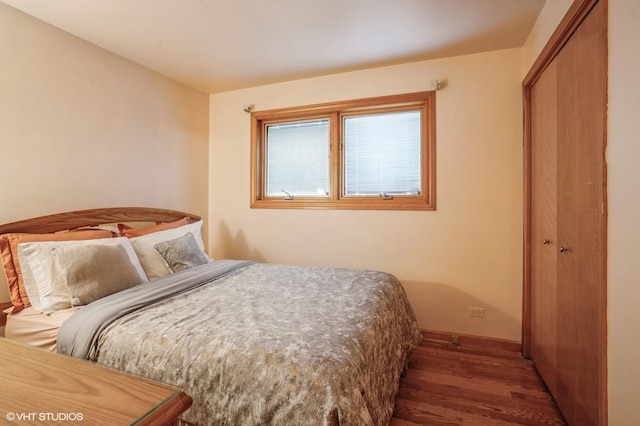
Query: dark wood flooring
x=453, y=385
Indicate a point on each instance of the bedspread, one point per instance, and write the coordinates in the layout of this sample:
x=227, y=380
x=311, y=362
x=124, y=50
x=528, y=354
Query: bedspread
x=274, y=344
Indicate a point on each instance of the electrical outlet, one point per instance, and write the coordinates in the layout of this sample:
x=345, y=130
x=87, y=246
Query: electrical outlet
x=476, y=312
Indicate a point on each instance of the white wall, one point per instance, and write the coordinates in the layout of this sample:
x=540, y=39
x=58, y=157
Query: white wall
x=467, y=253
x=82, y=128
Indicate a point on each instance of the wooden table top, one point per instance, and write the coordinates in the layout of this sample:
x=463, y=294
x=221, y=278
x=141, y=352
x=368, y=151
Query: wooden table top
x=38, y=386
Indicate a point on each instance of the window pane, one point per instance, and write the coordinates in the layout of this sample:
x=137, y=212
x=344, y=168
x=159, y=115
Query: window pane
x=297, y=158
x=382, y=154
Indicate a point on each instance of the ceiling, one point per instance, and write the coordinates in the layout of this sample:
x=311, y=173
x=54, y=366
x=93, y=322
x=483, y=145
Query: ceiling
x=220, y=45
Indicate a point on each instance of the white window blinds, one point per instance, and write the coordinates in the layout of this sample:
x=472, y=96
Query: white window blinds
x=382, y=154
x=297, y=157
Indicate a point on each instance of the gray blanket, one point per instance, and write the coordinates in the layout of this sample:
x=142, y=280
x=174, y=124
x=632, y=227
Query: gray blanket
x=78, y=335
x=265, y=344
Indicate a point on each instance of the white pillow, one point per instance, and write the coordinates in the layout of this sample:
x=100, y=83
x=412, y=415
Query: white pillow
x=45, y=286
x=152, y=262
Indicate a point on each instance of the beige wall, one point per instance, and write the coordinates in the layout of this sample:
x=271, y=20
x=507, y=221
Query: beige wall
x=82, y=128
x=467, y=253
x=624, y=211
x=623, y=191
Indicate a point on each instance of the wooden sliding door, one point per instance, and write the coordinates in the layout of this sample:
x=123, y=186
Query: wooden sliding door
x=544, y=206
x=564, y=328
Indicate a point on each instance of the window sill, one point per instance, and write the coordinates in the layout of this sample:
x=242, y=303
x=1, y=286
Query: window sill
x=366, y=204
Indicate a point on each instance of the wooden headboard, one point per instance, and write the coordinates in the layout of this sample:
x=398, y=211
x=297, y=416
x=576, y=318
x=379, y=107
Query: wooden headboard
x=94, y=217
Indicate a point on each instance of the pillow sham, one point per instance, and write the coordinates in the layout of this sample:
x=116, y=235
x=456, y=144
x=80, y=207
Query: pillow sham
x=44, y=279
x=181, y=253
x=9, y=252
x=94, y=271
x=115, y=232
x=152, y=262
x=130, y=232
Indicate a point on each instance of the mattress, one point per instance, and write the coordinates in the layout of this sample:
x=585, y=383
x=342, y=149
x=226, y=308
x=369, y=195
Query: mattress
x=35, y=328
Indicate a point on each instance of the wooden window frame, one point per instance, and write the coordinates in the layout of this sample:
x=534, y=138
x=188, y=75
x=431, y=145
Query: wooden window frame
x=335, y=111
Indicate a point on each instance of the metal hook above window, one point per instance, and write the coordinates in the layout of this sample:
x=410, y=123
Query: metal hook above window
x=289, y=196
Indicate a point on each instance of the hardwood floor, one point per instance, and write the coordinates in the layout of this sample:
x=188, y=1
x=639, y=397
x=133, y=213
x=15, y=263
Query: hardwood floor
x=453, y=385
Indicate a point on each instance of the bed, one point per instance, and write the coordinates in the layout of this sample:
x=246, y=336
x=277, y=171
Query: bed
x=251, y=343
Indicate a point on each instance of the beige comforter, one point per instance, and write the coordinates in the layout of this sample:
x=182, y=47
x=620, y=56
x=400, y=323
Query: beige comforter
x=274, y=344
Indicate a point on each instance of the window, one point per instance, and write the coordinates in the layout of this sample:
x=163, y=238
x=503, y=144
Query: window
x=375, y=153
x=297, y=158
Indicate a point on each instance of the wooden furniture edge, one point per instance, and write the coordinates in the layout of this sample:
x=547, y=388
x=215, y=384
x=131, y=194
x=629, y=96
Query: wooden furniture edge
x=469, y=340
x=77, y=219
x=73, y=370
x=172, y=409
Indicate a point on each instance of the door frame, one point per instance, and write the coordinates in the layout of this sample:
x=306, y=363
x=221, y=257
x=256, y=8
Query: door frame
x=576, y=13
x=574, y=17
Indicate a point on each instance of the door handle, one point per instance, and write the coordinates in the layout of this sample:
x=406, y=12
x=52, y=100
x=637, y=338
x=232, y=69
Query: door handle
x=564, y=249
x=546, y=242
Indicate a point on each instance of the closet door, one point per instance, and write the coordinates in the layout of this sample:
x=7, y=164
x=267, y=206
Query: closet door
x=544, y=155
x=566, y=336
x=581, y=262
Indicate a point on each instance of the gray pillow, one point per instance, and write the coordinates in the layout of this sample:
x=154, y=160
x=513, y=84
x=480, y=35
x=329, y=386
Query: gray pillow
x=181, y=253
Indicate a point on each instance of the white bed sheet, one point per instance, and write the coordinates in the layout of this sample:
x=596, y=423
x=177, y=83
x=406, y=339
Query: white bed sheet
x=36, y=328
